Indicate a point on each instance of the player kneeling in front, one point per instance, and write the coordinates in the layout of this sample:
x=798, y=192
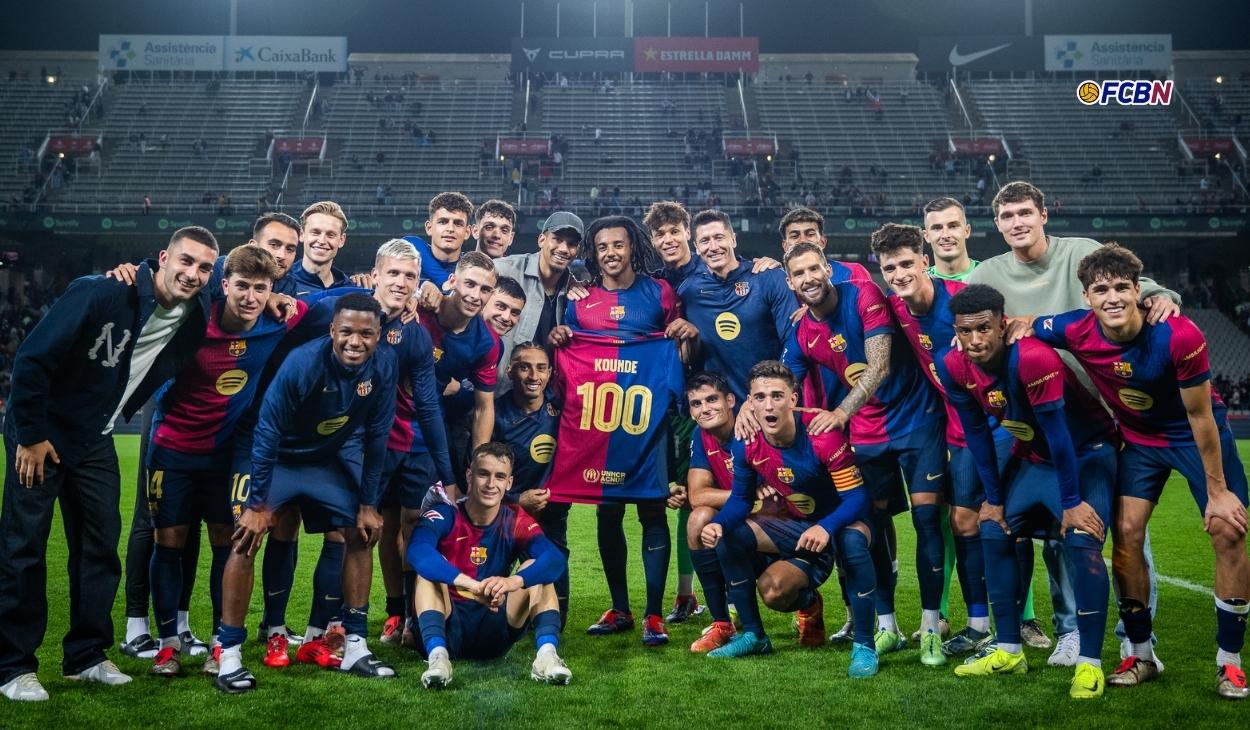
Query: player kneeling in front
x=469, y=606
x=320, y=443
x=1062, y=470
x=826, y=503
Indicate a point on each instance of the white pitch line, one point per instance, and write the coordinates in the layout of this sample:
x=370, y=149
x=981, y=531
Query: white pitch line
x=1177, y=582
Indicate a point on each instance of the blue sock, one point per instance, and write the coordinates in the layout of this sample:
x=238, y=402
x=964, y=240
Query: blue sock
x=546, y=629
x=657, y=548
x=231, y=636
x=190, y=563
x=609, y=519
x=356, y=620
x=1024, y=569
x=883, y=563
x=218, y=569
x=165, y=576
x=970, y=564
x=737, y=554
x=433, y=625
x=707, y=567
x=930, y=554
x=277, y=572
x=327, y=585
x=861, y=582
x=1230, y=623
x=1090, y=586
x=1002, y=578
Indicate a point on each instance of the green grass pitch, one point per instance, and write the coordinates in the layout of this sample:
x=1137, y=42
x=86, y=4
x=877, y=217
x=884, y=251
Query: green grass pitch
x=617, y=682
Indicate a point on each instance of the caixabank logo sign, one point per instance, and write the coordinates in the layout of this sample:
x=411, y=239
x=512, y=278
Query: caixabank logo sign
x=1125, y=92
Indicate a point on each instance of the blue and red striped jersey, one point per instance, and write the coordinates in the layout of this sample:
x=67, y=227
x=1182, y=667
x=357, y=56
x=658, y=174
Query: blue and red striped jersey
x=931, y=336
x=646, y=306
x=615, y=395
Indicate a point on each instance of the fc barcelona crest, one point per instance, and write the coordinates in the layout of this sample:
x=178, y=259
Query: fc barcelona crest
x=617, y=313
x=996, y=398
x=394, y=337
x=837, y=343
x=785, y=475
x=477, y=554
x=237, y=347
x=438, y=354
x=926, y=342
x=1123, y=369
x=742, y=288
x=365, y=388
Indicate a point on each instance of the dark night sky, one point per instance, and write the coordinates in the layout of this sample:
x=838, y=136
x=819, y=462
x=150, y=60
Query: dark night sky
x=397, y=26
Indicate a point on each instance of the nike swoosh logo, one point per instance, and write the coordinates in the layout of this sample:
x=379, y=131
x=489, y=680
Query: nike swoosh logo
x=906, y=324
x=592, y=304
x=813, y=342
x=864, y=595
x=1087, y=613
x=939, y=570
x=653, y=549
x=931, y=477
x=738, y=582
x=1076, y=531
x=755, y=462
x=170, y=621
x=271, y=594
x=1093, y=687
x=333, y=598
x=458, y=539
x=960, y=59
x=328, y=389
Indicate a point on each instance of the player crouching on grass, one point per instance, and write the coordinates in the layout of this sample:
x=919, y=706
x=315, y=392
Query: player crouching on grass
x=471, y=548
x=826, y=504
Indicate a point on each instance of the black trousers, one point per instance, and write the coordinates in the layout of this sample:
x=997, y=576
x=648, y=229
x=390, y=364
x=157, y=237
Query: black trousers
x=88, y=488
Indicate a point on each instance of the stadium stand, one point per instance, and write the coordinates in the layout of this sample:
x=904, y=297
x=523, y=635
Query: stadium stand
x=29, y=109
x=154, y=133
x=1230, y=347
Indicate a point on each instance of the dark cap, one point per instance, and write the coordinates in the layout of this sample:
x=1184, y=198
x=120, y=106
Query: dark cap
x=564, y=220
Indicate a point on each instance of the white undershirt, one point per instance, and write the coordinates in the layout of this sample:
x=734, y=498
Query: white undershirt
x=157, y=331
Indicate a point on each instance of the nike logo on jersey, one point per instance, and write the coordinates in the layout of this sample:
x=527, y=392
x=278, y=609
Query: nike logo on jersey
x=458, y=539
x=592, y=304
x=813, y=342
x=962, y=59
x=931, y=477
x=757, y=462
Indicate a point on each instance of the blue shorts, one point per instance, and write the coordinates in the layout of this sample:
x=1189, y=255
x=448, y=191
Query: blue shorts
x=919, y=457
x=1032, y=505
x=966, y=489
x=785, y=533
x=1145, y=469
x=184, y=497
x=325, y=493
x=406, y=478
x=476, y=632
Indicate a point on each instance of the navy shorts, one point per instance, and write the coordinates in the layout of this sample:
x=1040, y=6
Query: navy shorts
x=966, y=489
x=919, y=457
x=1145, y=469
x=476, y=632
x=785, y=533
x=184, y=497
x=1032, y=505
x=406, y=478
x=325, y=493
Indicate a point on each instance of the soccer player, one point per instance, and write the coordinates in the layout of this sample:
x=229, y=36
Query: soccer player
x=804, y=225
x=503, y=309
x=669, y=225
x=920, y=305
x=947, y=231
x=1062, y=470
x=709, y=481
x=470, y=604
x=895, y=424
x=743, y=316
x=99, y=353
x=545, y=278
x=826, y=506
x=447, y=227
x=323, y=228
x=320, y=442
x=624, y=301
x=527, y=420
x=494, y=228
x=1039, y=276
x=190, y=456
x=1155, y=377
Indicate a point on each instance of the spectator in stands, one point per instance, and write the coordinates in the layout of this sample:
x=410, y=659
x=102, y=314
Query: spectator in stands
x=380, y=158
x=380, y=195
x=147, y=204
